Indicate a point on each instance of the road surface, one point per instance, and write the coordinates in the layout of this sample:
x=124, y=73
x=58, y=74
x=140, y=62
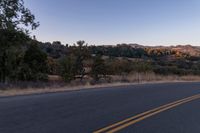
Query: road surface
x=150, y=108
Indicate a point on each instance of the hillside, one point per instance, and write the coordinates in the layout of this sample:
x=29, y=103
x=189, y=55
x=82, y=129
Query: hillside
x=58, y=50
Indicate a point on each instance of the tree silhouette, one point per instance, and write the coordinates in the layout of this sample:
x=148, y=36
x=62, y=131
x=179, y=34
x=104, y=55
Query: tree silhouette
x=15, y=19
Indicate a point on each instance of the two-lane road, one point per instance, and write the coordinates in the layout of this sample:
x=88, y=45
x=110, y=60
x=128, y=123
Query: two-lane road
x=150, y=108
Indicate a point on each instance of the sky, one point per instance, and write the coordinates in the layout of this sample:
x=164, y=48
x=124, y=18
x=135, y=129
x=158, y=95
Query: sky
x=110, y=22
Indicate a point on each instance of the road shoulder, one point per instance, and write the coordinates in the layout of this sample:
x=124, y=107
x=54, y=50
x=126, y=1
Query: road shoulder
x=31, y=91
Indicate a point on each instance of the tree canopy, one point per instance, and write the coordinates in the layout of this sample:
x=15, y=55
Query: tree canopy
x=16, y=21
x=15, y=16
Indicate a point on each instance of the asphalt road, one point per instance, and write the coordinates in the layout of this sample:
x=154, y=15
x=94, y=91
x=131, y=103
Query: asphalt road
x=90, y=110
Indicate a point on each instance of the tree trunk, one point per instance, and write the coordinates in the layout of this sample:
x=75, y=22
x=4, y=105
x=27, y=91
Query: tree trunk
x=3, y=69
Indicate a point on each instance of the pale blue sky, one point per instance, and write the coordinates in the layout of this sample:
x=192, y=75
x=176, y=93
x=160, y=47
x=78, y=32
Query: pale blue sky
x=108, y=22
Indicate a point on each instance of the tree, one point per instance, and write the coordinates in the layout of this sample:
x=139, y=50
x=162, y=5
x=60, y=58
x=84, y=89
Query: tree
x=9, y=47
x=98, y=68
x=14, y=15
x=53, y=66
x=67, y=69
x=35, y=64
x=15, y=20
x=72, y=66
x=81, y=53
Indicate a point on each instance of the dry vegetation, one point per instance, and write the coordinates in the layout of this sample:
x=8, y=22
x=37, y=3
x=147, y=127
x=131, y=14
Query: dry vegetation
x=151, y=77
x=25, y=88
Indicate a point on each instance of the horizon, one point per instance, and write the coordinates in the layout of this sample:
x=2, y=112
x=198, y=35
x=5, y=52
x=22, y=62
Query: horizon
x=149, y=23
x=122, y=44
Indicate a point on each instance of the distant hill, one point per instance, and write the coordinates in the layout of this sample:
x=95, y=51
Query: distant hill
x=187, y=49
x=58, y=50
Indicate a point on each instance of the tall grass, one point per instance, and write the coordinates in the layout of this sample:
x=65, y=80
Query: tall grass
x=151, y=77
x=88, y=81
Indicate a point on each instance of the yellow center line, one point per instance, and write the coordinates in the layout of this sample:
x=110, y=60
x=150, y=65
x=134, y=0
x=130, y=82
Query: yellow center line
x=149, y=115
x=132, y=120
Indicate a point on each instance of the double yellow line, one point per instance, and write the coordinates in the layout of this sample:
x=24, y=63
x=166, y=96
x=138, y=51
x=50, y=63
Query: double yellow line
x=132, y=120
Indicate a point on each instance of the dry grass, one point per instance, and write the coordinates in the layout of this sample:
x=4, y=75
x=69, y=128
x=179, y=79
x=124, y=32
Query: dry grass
x=151, y=77
x=132, y=79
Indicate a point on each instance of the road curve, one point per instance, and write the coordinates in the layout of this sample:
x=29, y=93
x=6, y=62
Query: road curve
x=91, y=110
